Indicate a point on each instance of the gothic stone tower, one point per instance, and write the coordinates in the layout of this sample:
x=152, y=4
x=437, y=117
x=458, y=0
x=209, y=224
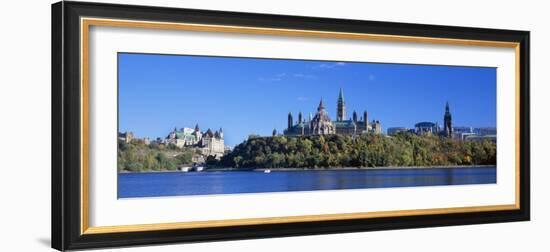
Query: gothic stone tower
x=290, y=120
x=341, y=108
x=366, y=120
x=447, y=119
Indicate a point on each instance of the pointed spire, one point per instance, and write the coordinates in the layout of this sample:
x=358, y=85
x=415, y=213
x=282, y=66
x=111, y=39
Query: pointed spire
x=197, y=127
x=220, y=134
x=366, y=120
x=321, y=105
x=290, y=121
x=447, y=121
x=341, y=107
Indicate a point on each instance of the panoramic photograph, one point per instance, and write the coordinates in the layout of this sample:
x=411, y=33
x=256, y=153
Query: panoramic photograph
x=204, y=125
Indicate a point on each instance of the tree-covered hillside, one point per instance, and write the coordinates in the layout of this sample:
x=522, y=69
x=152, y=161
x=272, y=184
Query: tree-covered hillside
x=368, y=150
x=136, y=156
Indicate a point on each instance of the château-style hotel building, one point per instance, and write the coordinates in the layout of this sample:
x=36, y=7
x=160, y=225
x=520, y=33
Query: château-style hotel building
x=210, y=143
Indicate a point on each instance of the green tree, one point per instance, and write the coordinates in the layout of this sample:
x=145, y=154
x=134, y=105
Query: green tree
x=366, y=150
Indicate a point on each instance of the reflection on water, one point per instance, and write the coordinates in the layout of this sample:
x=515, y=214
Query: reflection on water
x=202, y=183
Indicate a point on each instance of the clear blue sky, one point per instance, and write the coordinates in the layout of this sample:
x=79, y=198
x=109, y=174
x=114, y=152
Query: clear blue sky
x=253, y=96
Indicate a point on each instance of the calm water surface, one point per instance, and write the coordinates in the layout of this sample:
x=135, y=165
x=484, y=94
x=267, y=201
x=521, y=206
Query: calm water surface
x=201, y=183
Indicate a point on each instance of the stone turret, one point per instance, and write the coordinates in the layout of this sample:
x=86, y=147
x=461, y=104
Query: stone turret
x=289, y=126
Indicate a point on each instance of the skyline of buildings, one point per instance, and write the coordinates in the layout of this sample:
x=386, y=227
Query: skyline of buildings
x=353, y=125
x=248, y=95
x=212, y=143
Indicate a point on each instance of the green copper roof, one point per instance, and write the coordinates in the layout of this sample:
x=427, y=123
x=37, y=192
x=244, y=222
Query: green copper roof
x=343, y=123
x=188, y=137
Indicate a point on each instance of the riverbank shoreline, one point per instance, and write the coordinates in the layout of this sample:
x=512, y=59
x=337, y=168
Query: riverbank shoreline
x=375, y=168
x=321, y=169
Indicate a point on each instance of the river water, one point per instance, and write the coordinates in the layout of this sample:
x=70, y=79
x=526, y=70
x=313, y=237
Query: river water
x=132, y=185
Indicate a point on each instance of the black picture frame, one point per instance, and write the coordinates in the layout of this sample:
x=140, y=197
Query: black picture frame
x=66, y=124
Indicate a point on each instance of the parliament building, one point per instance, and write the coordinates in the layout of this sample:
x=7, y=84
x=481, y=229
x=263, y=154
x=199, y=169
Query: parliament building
x=321, y=124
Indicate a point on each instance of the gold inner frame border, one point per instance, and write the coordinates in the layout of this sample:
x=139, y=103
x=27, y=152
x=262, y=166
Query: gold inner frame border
x=86, y=23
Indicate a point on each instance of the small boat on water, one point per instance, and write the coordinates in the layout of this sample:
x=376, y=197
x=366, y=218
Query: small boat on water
x=267, y=171
x=199, y=168
x=184, y=168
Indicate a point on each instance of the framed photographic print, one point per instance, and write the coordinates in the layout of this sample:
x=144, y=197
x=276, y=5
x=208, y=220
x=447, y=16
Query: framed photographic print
x=179, y=125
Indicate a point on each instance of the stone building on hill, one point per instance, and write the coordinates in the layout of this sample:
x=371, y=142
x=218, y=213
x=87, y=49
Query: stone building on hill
x=321, y=124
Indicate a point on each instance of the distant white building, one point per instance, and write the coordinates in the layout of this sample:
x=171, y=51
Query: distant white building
x=459, y=133
x=210, y=143
x=477, y=138
x=184, y=137
x=126, y=136
x=394, y=130
x=485, y=131
x=464, y=136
